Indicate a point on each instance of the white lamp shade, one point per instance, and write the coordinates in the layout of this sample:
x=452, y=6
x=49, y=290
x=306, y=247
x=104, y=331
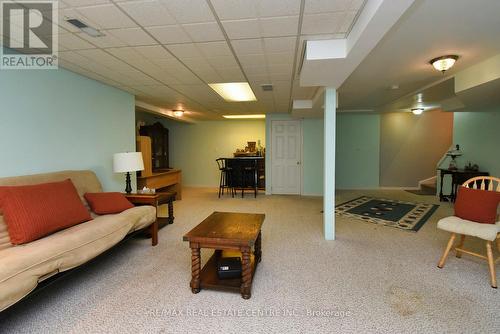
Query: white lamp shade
x=127, y=162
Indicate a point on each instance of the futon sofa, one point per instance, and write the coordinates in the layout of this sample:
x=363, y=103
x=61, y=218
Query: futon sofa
x=23, y=267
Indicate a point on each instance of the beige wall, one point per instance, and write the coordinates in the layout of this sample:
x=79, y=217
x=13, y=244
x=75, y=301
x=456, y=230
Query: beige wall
x=411, y=146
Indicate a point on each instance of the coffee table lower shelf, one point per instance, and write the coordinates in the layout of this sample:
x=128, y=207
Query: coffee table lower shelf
x=210, y=280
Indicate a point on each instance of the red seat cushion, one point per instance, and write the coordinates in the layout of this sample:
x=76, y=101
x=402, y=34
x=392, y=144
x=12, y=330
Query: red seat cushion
x=476, y=205
x=34, y=211
x=108, y=203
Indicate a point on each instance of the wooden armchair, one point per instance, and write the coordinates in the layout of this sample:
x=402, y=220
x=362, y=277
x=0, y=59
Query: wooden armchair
x=462, y=227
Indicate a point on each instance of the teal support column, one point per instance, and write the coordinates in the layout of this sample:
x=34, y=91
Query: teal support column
x=329, y=163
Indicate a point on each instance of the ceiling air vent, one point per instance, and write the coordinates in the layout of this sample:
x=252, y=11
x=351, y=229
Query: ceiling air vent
x=84, y=27
x=77, y=23
x=267, y=87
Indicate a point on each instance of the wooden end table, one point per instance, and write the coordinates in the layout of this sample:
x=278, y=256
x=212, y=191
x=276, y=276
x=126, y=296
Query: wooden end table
x=225, y=232
x=155, y=200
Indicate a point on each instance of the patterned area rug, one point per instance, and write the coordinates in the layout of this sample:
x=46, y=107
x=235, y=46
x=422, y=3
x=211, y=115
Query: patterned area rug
x=403, y=215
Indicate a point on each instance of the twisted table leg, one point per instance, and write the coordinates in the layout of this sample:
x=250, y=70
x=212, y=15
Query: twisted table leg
x=246, y=276
x=195, y=270
x=170, y=211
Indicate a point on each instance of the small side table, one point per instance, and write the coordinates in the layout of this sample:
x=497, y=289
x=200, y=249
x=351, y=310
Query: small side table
x=156, y=200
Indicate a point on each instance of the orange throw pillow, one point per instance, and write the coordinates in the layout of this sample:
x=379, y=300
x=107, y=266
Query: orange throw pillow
x=479, y=206
x=34, y=211
x=107, y=203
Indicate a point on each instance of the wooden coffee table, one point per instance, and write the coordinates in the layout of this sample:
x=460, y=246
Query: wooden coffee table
x=226, y=232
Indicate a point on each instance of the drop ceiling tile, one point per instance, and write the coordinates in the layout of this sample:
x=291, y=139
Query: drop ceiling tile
x=74, y=58
x=119, y=66
x=214, y=49
x=247, y=46
x=79, y=3
x=144, y=65
x=234, y=9
x=240, y=29
x=187, y=50
x=280, y=44
x=164, y=77
x=106, y=41
x=128, y=54
x=281, y=58
x=232, y=75
x=98, y=56
x=204, y=32
x=222, y=62
x=280, y=76
x=279, y=26
x=167, y=64
x=148, y=13
x=252, y=60
x=197, y=63
x=258, y=70
x=321, y=6
x=171, y=34
x=153, y=52
x=107, y=17
x=133, y=36
x=259, y=79
x=209, y=76
x=268, y=8
x=326, y=23
x=189, y=11
x=73, y=42
x=189, y=79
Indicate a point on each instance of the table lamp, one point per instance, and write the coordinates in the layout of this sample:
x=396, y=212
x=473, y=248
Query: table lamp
x=126, y=163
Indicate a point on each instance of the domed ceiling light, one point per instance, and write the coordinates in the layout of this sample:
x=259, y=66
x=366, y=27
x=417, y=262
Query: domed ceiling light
x=444, y=63
x=417, y=111
x=178, y=112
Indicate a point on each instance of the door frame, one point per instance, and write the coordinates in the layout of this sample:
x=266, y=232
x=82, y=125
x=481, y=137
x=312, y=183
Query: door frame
x=269, y=144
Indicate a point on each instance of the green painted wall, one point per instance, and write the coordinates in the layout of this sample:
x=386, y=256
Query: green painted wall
x=194, y=147
x=478, y=134
x=53, y=120
x=357, y=151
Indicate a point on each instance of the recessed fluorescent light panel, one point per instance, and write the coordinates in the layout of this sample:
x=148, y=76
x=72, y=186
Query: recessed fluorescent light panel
x=244, y=116
x=234, y=91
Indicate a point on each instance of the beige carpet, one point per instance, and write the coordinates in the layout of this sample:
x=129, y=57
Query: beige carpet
x=371, y=279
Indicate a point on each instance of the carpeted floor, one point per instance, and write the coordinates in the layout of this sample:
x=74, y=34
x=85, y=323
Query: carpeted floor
x=372, y=279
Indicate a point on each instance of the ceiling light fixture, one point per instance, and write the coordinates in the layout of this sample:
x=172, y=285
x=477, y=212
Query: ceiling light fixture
x=178, y=112
x=234, y=91
x=443, y=63
x=417, y=111
x=255, y=116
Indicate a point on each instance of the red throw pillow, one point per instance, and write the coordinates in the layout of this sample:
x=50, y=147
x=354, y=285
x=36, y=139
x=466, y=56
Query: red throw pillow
x=479, y=206
x=34, y=211
x=108, y=203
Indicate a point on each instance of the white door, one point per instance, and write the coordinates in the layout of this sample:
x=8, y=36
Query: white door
x=286, y=141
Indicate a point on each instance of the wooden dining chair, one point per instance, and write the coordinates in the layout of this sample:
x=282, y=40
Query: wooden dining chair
x=463, y=228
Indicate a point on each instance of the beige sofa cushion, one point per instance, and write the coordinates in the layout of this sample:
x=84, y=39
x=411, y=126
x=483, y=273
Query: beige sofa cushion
x=84, y=181
x=23, y=266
